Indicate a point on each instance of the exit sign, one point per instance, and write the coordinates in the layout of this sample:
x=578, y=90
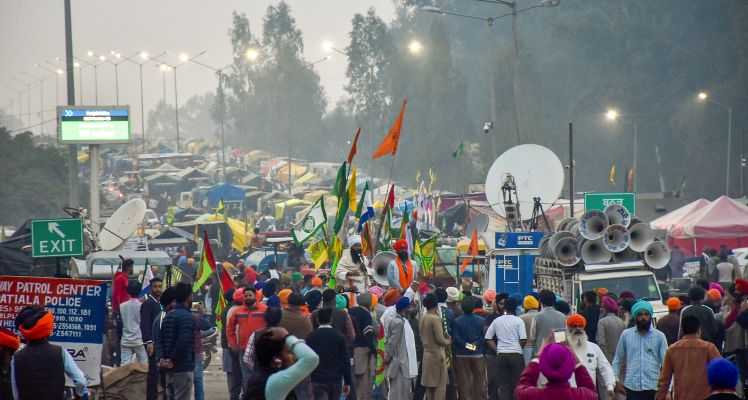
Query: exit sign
x=56, y=237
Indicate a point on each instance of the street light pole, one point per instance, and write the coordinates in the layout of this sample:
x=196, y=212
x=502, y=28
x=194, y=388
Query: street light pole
x=70, y=74
x=176, y=107
x=704, y=97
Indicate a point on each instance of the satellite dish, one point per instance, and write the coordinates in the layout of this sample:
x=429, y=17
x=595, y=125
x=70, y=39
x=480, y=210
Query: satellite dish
x=537, y=172
x=122, y=224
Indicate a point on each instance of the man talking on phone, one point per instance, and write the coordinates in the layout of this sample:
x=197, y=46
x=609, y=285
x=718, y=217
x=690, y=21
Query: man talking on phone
x=589, y=354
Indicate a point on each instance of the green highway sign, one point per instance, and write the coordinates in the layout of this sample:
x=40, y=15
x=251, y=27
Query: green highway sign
x=598, y=201
x=56, y=237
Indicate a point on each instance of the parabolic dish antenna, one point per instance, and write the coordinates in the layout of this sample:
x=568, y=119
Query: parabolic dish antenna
x=122, y=224
x=537, y=172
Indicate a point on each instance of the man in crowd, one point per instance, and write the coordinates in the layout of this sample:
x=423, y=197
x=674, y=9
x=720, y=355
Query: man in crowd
x=149, y=311
x=401, y=270
x=589, y=354
x=609, y=328
x=696, y=295
x=233, y=379
x=591, y=313
x=340, y=318
x=119, y=295
x=434, y=363
x=531, y=306
x=178, y=341
x=334, y=364
x=641, y=350
x=558, y=364
x=39, y=369
x=547, y=320
x=669, y=324
x=351, y=269
x=723, y=378
x=364, y=346
x=470, y=366
x=496, y=303
x=684, y=365
x=505, y=337
x=131, y=343
x=400, y=354
x=242, y=322
x=294, y=319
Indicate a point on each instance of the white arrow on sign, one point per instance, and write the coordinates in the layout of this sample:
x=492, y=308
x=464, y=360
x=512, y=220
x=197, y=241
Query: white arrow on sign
x=55, y=227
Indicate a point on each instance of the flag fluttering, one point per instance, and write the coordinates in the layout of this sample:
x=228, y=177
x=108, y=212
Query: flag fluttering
x=352, y=203
x=392, y=139
x=207, y=264
x=341, y=190
x=147, y=276
x=424, y=254
x=612, y=174
x=318, y=253
x=354, y=147
x=365, y=209
x=314, y=221
x=473, y=250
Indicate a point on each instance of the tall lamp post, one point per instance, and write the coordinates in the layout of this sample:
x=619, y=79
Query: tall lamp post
x=144, y=58
x=58, y=72
x=512, y=5
x=613, y=115
x=184, y=58
x=704, y=97
x=95, y=65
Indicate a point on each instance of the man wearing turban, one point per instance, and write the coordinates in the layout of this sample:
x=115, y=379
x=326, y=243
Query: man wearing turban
x=401, y=271
x=38, y=370
x=589, y=354
x=351, y=269
x=9, y=343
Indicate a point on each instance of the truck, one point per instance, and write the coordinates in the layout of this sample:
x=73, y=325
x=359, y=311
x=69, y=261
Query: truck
x=571, y=282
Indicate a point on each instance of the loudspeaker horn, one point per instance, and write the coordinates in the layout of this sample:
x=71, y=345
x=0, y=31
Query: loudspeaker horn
x=593, y=252
x=657, y=255
x=641, y=236
x=551, y=246
x=565, y=251
x=618, y=215
x=616, y=238
x=593, y=224
x=380, y=263
x=626, y=255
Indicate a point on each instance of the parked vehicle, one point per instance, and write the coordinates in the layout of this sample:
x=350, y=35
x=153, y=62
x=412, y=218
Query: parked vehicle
x=103, y=264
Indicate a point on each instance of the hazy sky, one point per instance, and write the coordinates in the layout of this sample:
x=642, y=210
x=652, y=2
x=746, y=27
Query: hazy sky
x=32, y=31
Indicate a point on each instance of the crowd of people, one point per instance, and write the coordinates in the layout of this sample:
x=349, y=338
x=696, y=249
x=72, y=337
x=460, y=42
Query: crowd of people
x=294, y=335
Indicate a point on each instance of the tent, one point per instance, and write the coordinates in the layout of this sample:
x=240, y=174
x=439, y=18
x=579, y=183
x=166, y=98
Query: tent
x=224, y=191
x=671, y=219
x=724, y=221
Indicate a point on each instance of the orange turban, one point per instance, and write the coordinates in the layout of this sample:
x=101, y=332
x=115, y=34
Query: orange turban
x=9, y=340
x=673, y=304
x=400, y=245
x=391, y=297
x=576, y=321
x=374, y=301
x=713, y=295
x=316, y=282
x=283, y=295
x=602, y=292
x=41, y=330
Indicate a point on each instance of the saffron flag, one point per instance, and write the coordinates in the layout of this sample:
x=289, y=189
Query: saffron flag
x=612, y=174
x=354, y=147
x=473, y=250
x=207, y=264
x=630, y=180
x=392, y=139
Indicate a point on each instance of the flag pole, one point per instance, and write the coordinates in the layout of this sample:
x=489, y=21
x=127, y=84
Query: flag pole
x=390, y=186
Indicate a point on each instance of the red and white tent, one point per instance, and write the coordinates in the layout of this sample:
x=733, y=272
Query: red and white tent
x=724, y=221
x=673, y=218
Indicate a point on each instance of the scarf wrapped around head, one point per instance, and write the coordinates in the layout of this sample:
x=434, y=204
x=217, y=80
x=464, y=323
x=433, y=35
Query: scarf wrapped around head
x=9, y=340
x=35, y=323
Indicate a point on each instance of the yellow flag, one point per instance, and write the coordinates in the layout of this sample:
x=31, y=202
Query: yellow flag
x=352, y=190
x=612, y=174
x=318, y=253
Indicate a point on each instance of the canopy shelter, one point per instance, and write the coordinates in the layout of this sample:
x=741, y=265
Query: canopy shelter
x=673, y=218
x=225, y=192
x=723, y=222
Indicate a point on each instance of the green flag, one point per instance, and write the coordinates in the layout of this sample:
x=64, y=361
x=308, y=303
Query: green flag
x=425, y=253
x=361, y=205
x=341, y=190
x=460, y=150
x=314, y=220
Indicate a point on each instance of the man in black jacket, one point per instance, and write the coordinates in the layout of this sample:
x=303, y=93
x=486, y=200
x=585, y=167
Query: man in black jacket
x=149, y=311
x=364, y=347
x=334, y=363
x=178, y=344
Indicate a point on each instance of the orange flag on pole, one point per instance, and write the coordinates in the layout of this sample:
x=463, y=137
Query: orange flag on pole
x=354, y=147
x=390, y=142
x=473, y=250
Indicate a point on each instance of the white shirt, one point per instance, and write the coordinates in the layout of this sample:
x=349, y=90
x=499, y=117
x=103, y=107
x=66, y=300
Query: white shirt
x=725, y=270
x=593, y=359
x=507, y=330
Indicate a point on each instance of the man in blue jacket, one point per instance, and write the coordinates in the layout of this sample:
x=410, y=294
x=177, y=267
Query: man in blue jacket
x=177, y=343
x=469, y=347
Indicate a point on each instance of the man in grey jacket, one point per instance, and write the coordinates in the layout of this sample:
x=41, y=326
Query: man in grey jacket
x=609, y=328
x=547, y=320
x=400, y=353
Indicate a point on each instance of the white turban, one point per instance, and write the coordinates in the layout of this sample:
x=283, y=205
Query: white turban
x=354, y=239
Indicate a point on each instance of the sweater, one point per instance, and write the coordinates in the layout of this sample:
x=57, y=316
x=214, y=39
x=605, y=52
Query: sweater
x=527, y=387
x=149, y=310
x=178, y=339
x=363, y=326
x=296, y=323
x=468, y=329
x=334, y=363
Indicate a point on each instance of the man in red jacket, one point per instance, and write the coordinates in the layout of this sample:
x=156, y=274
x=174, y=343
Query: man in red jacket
x=557, y=363
x=119, y=296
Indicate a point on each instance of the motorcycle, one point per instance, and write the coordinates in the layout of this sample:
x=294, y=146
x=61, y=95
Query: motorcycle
x=209, y=340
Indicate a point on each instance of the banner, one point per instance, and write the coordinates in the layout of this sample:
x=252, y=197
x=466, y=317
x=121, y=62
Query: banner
x=79, y=308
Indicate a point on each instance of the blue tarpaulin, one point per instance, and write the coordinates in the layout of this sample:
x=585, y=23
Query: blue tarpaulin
x=224, y=191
